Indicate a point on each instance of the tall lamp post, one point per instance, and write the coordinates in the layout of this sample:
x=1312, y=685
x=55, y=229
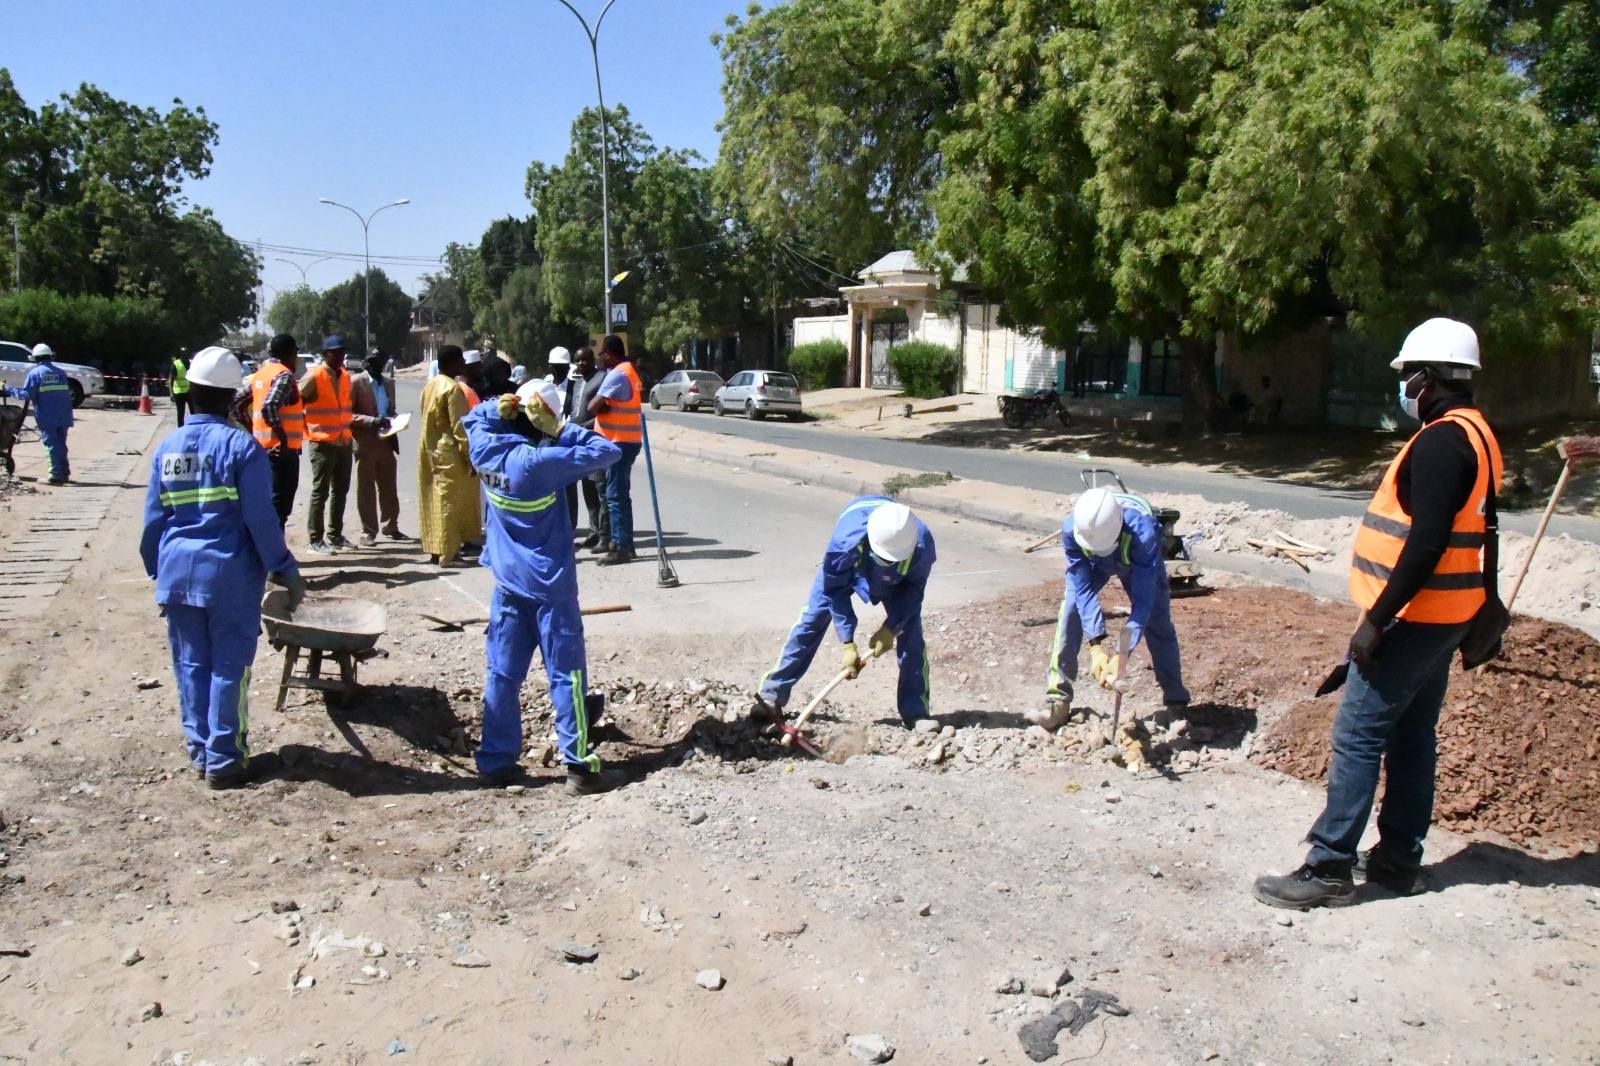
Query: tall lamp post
x=305, y=325
x=366, y=255
x=605, y=156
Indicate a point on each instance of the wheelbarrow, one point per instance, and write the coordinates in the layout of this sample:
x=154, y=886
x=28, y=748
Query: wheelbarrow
x=1183, y=573
x=11, y=419
x=338, y=628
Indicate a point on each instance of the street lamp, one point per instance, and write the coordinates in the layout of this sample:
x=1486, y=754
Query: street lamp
x=305, y=324
x=366, y=255
x=605, y=156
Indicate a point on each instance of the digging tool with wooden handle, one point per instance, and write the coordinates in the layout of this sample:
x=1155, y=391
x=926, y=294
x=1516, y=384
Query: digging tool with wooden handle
x=1572, y=450
x=1042, y=542
x=805, y=715
x=1118, y=686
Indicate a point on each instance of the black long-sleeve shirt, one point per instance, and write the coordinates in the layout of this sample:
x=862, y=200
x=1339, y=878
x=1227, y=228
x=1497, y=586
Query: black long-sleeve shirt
x=1433, y=485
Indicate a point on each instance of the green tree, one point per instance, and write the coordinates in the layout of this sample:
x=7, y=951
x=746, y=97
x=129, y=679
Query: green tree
x=297, y=312
x=339, y=311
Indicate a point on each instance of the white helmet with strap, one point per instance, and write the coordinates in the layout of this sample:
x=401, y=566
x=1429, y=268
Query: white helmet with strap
x=1097, y=521
x=892, y=532
x=1442, y=343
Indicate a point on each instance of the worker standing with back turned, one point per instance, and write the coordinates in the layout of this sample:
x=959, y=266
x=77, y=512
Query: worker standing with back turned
x=48, y=389
x=1112, y=534
x=882, y=553
x=211, y=539
x=180, y=383
x=1417, y=575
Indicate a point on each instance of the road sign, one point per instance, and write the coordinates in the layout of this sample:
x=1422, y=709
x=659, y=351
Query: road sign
x=619, y=314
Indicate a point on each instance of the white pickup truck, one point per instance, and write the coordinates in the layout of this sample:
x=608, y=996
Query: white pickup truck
x=85, y=381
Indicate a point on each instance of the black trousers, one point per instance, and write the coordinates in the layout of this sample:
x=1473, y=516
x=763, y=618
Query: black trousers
x=180, y=402
x=591, y=502
x=285, y=466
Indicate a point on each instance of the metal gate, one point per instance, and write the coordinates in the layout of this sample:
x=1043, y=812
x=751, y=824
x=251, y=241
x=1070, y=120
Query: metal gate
x=885, y=335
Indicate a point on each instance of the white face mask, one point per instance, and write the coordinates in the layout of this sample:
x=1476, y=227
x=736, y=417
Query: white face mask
x=1410, y=404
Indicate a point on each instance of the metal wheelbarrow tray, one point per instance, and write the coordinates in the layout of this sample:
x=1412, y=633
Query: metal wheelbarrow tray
x=341, y=628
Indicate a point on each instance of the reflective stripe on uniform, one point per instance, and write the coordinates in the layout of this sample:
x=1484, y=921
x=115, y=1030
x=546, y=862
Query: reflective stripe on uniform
x=580, y=711
x=328, y=416
x=511, y=503
x=212, y=495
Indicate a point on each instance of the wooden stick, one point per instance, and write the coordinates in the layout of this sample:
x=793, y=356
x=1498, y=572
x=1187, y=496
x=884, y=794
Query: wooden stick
x=614, y=608
x=1036, y=545
x=1280, y=549
x=1544, y=522
x=841, y=676
x=1298, y=543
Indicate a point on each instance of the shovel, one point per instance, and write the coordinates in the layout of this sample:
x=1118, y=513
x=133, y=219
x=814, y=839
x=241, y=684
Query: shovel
x=791, y=733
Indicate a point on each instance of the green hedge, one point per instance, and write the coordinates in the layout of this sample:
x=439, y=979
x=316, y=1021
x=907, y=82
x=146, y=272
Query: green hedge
x=820, y=364
x=925, y=369
x=116, y=334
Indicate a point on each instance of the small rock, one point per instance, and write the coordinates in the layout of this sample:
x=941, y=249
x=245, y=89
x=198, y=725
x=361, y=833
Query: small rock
x=148, y=683
x=1044, y=988
x=1009, y=986
x=870, y=1047
x=1411, y=1020
x=397, y=1048
x=698, y=815
x=1155, y=871
x=572, y=951
x=304, y=983
x=149, y=1012
x=924, y=910
x=132, y=957
x=1284, y=920
x=711, y=981
x=779, y=1058
x=1112, y=797
x=284, y=906
x=472, y=960
x=627, y=973
x=516, y=790
x=926, y=725
x=1208, y=1054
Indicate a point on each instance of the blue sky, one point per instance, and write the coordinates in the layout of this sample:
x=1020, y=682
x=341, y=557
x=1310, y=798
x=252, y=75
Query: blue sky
x=367, y=102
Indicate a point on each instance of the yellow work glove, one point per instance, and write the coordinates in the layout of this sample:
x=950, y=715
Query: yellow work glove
x=544, y=420
x=508, y=406
x=1102, y=667
x=881, y=642
x=851, y=663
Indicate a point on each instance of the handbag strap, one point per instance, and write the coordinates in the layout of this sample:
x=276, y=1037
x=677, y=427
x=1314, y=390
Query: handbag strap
x=1491, y=520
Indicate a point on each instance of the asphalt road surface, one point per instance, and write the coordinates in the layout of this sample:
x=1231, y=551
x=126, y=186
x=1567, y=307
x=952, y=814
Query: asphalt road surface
x=1059, y=472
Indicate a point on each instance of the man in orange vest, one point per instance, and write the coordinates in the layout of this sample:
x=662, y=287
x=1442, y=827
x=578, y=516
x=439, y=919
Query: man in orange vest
x=325, y=390
x=1417, y=576
x=620, y=420
x=268, y=403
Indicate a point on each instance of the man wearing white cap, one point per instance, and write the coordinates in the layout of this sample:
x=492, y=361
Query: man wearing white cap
x=471, y=377
x=881, y=553
x=211, y=541
x=524, y=453
x=48, y=389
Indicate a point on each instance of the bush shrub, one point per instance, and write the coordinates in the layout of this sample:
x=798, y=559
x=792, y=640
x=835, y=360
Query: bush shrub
x=925, y=369
x=820, y=364
x=117, y=334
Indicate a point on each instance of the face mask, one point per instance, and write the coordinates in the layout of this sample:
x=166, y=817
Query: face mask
x=1409, y=399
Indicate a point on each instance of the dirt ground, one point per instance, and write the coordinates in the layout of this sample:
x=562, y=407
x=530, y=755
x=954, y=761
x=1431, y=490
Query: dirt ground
x=371, y=904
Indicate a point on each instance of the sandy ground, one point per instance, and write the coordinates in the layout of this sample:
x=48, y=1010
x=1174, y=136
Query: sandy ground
x=372, y=904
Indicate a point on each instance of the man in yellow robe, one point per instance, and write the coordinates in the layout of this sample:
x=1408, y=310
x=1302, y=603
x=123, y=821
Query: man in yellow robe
x=450, y=510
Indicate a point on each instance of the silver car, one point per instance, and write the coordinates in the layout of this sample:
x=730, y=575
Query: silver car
x=15, y=362
x=759, y=393
x=687, y=390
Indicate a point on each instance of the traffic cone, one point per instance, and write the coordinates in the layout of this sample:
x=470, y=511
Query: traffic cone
x=145, y=407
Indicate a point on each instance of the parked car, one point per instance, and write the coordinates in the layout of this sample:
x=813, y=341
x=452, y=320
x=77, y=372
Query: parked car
x=759, y=393
x=687, y=390
x=84, y=381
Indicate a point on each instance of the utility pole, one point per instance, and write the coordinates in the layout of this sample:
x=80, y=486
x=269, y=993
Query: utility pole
x=16, y=255
x=605, y=159
x=366, y=256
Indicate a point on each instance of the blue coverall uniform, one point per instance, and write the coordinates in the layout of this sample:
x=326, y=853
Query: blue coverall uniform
x=1137, y=562
x=211, y=537
x=46, y=388
x=850, y=569
x=528, y=547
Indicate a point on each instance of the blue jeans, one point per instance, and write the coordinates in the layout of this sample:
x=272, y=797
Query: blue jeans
x=1387, y=717
x=1160, y=636
x=619, y=484
x=55, y=446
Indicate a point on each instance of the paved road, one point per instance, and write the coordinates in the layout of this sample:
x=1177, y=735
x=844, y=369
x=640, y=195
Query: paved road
x=745, y=547
x=1059, y=472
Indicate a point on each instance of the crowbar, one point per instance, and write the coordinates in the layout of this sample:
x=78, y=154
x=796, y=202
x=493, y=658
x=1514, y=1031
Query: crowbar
x=791, y=733
x=1117, y=684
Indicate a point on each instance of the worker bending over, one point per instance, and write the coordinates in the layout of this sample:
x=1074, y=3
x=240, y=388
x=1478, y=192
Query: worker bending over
x=47, y=388
x=1417, y=575
x=882, y=553
x=1112, y=534
x=525, y=456
x=211, y=540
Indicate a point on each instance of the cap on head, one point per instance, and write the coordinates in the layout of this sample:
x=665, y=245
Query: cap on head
x=559, y=356
x=333, y=342
x=42, y=351
x=1097, y=521
x=216, y=367
x=1441, y=342
x=471, y=356
x=892, y=532
x=519, y=374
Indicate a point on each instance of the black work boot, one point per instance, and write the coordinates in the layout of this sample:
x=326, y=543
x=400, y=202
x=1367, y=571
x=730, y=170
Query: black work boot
x=506, y=775
x=1378, y=867
x=256, y=769
x=591, y=782
x=1324, y=885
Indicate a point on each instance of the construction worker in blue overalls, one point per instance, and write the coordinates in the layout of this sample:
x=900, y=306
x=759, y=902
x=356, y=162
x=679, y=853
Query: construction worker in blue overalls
x=1112, y=534
x=47, y=388
x=882, y=553
x=525, y=456
x=211, y=541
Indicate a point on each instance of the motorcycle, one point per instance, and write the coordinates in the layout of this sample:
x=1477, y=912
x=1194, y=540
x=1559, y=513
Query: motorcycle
x=1018, y=409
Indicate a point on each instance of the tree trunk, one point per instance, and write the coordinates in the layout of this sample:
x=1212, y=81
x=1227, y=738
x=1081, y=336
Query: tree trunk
x=1201, y=400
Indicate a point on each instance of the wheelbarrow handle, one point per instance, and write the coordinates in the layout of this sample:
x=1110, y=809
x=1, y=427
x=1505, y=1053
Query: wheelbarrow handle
x=1089, y=483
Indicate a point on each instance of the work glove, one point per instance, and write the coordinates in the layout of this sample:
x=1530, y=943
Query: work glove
x=851, y=663
x=544, y=420
x=292, y=581
x=1102, y=667
x=881, y=642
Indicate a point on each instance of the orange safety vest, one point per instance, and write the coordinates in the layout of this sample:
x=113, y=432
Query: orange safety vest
x=291, y=415
x=621, y=421
x=470, y=393
x=328, y=416
x=1454, y=592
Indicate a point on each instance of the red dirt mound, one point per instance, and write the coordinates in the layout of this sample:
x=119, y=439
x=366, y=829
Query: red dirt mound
x=1519, y=742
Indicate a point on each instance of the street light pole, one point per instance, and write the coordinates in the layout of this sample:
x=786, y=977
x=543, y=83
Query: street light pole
x=366, y=255
x=305, y=324
x=605, y=158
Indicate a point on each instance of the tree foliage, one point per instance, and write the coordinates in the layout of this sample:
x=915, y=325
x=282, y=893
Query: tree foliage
x=120, y=335
x=300, y=311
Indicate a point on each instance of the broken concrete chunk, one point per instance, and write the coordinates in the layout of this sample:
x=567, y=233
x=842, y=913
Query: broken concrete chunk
x=710, y=980
x=572, y=951
x=472, y=960
x=870, y=1047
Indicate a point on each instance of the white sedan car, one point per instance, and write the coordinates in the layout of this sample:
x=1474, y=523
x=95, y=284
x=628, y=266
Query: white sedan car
x=759, y=393
x=84, y=381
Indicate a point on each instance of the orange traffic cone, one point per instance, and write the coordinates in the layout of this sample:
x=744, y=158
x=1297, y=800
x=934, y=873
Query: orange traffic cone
x=145, y=407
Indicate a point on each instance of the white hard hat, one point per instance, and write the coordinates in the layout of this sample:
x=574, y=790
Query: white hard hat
x=892, y=532
x=1097, y=521
x=43, y=351
x=559, y=356
x=1444, y=341
x=472, y=355
x=216, y=367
